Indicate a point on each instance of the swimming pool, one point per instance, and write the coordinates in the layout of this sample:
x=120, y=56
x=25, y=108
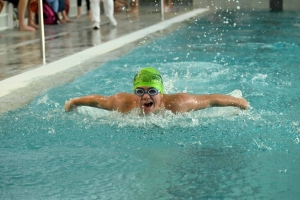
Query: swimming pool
x=217, y=153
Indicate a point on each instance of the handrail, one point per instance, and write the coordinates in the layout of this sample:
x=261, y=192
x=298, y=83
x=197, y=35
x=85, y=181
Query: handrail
x=162, y=9
x=42, y=31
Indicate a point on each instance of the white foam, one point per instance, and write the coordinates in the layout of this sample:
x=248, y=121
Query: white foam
x=236, y=93
x=11, y=84
x=259, y=77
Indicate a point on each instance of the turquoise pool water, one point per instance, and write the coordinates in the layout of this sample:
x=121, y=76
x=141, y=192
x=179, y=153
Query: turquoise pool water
x=217, y=153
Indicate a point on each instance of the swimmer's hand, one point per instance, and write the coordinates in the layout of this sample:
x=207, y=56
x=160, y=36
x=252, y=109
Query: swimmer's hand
x=243, y=104
x=69, y=105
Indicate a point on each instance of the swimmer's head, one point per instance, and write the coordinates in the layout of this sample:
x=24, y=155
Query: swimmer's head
x=148, y=77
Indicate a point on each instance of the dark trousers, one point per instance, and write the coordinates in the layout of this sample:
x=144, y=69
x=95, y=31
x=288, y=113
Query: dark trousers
x=87, y=4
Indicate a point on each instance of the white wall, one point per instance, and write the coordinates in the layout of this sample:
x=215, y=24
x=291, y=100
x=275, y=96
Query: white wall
x=293, y=5
x=288, y=5
x=6, y=19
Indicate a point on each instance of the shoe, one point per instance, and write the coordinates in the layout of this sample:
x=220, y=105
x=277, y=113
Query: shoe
x=96, y=25
x=113, y=21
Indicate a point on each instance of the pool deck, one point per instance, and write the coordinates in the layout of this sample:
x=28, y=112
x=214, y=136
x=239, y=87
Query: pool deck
x=70, y=45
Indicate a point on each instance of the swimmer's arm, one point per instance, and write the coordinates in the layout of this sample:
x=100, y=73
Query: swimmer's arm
x=97, y=101
x=221, y=100
x=118, y=102
x=189, y=102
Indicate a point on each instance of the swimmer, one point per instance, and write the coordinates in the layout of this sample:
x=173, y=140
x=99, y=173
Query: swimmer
x=149, y=97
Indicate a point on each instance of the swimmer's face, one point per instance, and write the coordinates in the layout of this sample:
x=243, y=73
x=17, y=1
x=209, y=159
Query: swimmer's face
x=149, y=103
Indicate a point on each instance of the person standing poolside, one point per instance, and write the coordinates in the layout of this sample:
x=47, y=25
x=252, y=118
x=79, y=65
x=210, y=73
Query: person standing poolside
x=1, y=5
x=62, y=11
x=87, y=7
x=168, y=6
x=59, y=7
x=149, y=97
x=23, y=5
x=108, y=10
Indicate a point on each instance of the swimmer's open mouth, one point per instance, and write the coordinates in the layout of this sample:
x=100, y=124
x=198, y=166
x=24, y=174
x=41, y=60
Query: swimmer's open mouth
x=148, y=104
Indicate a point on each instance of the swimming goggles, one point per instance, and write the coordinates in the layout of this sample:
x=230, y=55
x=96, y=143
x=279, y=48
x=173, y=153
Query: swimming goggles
x=151, y=91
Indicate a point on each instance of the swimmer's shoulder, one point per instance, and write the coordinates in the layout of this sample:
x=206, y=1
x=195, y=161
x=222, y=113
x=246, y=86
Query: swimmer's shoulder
x=123, y=97
x=175, y=97
x=175, y=101
x=124, y=102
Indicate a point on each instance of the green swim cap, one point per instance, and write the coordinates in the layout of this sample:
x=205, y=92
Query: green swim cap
x=148, y=77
